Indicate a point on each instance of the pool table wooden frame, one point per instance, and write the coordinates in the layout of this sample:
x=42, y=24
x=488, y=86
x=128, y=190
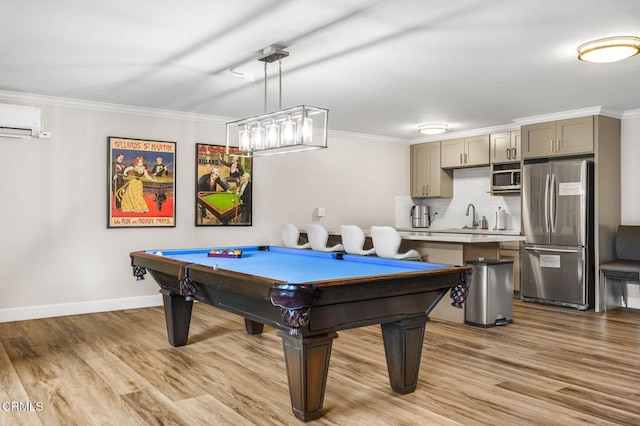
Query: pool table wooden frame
x=309, y=314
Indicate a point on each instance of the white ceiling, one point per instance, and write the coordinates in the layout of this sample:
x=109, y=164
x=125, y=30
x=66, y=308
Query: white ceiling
x=380, y=67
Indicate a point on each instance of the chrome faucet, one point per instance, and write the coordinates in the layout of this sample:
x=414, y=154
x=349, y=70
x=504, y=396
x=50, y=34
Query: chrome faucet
x=474, y=224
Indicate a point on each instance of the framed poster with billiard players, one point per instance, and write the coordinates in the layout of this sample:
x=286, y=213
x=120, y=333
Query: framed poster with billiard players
x=223, y=187
x=141, y=183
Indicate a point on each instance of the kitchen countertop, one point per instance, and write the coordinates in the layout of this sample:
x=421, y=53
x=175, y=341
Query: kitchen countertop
x=452, y=235
x=457, y=237
x=464, y=231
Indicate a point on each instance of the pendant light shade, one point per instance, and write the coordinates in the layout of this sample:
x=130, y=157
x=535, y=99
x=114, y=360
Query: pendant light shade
x=244, y=138
x=273, y=135
x=257, y=137
x=288, y=131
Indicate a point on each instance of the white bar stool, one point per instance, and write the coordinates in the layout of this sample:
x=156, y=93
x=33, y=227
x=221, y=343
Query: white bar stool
x=290, y=236
x=386, y=241
x=318, y=237
x=353, y=240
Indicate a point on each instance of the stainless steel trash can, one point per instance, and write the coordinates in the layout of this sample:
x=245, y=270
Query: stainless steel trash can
x=490, y=299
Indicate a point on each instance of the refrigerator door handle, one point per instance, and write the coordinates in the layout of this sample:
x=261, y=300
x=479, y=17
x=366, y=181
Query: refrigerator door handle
x=546, y=204
x=584, y=198
x=553, y=203
x=554, y=250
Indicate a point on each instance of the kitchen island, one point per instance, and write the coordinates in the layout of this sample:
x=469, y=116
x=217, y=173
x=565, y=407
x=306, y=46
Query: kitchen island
x=455, y=247
x=449, y=247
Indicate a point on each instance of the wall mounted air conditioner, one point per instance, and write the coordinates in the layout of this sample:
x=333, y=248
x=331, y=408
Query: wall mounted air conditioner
x=17, y=121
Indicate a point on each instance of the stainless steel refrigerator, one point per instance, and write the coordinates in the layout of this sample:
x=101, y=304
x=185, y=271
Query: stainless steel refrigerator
x=557, y=209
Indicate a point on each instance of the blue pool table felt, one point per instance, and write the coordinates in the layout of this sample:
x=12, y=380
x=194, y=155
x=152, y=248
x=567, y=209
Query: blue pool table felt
x=297, y=266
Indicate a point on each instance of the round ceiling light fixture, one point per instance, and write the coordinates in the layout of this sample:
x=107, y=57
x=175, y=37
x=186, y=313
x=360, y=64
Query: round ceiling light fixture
x=610, y=49
x=432, y=129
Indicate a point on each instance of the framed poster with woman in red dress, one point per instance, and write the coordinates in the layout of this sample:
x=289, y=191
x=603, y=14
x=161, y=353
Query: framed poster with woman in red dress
x=141, y=183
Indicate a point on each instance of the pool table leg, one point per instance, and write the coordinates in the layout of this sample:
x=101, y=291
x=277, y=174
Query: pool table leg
x=307, y=360
x=177, y=313
x=403, y=348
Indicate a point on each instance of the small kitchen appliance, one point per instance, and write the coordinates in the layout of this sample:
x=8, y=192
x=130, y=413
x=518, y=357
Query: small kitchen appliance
x=420, y=216
x=505, y=178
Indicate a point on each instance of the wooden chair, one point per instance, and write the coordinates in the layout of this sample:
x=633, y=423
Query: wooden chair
x=290, y=236
x=318, y=237
x=626, y=267
x=386, y=241
x=353, y=240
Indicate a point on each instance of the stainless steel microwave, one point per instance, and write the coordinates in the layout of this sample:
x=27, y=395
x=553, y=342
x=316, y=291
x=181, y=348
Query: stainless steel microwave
x=505, y=178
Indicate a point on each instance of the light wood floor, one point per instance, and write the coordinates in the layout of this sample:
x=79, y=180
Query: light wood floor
x=552, y=366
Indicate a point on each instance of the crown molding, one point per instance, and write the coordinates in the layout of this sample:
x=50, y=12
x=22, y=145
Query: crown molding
x=563, y=115
x=107, y=107
x=466, y=133
x=632, y=113
x=368, y=137
x=518, y=122
x=30, y=98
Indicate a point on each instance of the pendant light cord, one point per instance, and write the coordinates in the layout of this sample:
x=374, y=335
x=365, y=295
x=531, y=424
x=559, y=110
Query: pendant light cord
x=265, y=87
x=280, y=84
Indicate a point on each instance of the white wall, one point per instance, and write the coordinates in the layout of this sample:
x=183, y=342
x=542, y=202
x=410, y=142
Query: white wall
x=57, y=255
x=630, y=170
x=355, y=180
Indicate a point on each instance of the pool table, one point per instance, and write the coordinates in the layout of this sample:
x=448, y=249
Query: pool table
x=307, y=296
x=162, y=184
x=224, y=206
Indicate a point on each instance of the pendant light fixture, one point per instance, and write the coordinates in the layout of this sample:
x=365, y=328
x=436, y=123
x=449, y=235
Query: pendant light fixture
x=301, y=128
x=609, y=49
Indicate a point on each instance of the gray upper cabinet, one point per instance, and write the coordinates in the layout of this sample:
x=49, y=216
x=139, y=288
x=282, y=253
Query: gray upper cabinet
x=562, y=137
x=427, y=177
x=465, y=152
x=505, y=147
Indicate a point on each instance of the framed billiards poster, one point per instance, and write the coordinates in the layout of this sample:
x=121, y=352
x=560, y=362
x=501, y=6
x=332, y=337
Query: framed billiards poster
x=223, y=187
x=141, y=183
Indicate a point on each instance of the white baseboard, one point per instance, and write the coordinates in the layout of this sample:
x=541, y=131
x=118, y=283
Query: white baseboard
x=64, y=309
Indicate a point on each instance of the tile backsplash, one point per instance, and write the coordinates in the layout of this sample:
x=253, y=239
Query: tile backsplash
x=469, y=186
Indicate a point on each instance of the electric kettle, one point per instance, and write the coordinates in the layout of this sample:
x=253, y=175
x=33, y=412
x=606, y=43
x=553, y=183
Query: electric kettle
x=420, y=216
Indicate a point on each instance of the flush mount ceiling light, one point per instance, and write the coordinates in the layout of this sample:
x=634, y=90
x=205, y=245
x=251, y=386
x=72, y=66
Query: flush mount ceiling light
x=301, y=128
x=432, y=129
x=609, y=49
